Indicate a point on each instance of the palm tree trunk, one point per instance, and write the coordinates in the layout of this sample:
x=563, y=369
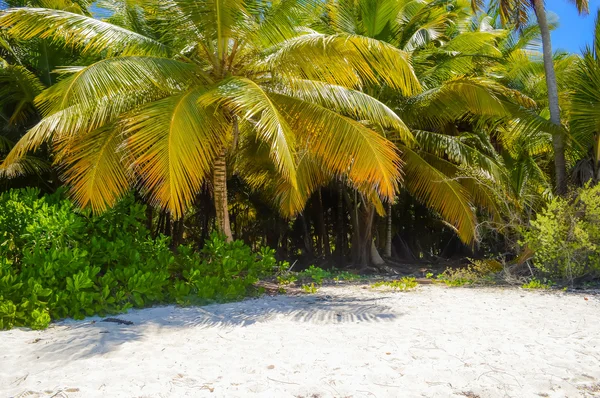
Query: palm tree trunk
x=558, y=140
x=340, y=227
x=388, y=232
x=220, y=197
x=324, y=248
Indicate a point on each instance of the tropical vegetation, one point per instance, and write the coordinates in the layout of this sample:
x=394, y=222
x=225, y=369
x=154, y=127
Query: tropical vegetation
x=359, y=134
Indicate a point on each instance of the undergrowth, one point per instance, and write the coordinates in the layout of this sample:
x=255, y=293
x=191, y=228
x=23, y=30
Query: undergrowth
x=537, y=284
x=313, y=277
x=478, y=272
x=403, y=284
x=56, y=262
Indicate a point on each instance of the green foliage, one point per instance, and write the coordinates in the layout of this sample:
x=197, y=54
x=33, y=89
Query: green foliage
x=537, y=284
x=316, y=274
x=56, y=263
x=566, y=236
x=287, y=279
x=403, y=284
x=429, y=275
x=310, y=288
x=478, y=272
x=346, y=276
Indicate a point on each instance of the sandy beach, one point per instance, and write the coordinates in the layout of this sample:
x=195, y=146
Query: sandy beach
x=344, y=341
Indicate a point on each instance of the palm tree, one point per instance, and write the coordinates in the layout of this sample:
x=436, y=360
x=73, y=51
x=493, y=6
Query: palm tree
x=517, y=12
x=585, y=115
x=172, y=95
x=449, y=56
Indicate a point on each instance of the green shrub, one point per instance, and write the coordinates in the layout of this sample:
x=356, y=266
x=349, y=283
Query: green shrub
x=316, y=274
x=566, y=236
x=478, y=272
x=403, y=284
x=310, y=288
x=537, y=284
x=56, y=262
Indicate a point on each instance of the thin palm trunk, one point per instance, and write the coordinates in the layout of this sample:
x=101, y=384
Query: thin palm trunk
x=388, y=232
x=220, y=197
x=340, y=227
x=558, y=140
x=320, y=218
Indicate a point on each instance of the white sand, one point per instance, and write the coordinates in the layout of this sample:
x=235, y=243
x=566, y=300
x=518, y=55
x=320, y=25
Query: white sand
x=342, y=342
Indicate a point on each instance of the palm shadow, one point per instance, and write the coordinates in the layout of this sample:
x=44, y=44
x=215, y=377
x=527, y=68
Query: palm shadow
x=93, y=336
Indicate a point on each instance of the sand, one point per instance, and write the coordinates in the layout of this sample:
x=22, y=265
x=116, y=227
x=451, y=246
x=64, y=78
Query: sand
x=345, y=341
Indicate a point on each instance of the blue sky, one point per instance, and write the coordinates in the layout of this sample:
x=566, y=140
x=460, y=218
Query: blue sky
x=574, y=31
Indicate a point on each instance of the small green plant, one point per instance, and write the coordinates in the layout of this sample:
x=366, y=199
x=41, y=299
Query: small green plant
x=478, y=272
x=537, y=284
x=316, y=274
x=346, y=276
x=429, y=275
x=310, y=288
x=285, y=280
x=404, y=284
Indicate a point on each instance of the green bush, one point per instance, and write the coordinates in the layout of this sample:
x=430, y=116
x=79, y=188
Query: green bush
x=537, y=284
x=404, y=284
x=566, y=236
x=477, y=272
x=56, y=262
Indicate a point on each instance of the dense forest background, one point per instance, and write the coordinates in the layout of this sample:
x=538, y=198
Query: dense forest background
x=354, y=133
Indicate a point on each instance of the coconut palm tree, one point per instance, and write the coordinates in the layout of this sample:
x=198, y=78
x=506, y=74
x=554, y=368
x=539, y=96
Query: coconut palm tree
x=450, y=55
x=517, y=13
x=172, y=95
x=585, y=114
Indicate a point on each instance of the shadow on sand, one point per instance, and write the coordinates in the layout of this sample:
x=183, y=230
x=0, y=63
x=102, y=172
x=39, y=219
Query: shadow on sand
x=92, y=336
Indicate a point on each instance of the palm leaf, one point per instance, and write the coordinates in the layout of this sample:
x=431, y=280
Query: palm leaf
x=173, y=142
x=95, y=168
x=440, y=193
x=344, y=146
x=85, y=33
x=248, y=101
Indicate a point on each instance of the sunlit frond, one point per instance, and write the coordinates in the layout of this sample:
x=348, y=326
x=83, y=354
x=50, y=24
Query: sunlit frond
x=172, y=143
x=440, y=193
x=25, y=166
x=352, y=103
x=347, y=60
x=344, y=146
x=95, y=169
x=139, y=77
x=248, y=101
x=86, y=33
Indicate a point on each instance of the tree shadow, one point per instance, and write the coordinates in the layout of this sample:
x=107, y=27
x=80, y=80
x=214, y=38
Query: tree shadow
x=93, y=336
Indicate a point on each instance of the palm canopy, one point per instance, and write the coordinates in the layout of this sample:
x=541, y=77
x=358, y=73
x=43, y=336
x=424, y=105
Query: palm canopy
x=178, y=86
x=445, y=167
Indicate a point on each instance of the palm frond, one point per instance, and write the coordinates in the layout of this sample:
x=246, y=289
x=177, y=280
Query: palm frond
x=247, y=100
x=18, y=87
x=439, y=192
x=351, y=103
x=347, y=60
x=85, y=33
x=95, y=168
x=172, y=143
x=344, y=146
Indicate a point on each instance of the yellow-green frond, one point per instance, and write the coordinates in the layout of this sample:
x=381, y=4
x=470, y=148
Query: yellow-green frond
x=439, y=192
x=344, y=146
x=85, y=33
x=173, y=142
x=352, y=103
x=96, y=168
x=248, y=101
